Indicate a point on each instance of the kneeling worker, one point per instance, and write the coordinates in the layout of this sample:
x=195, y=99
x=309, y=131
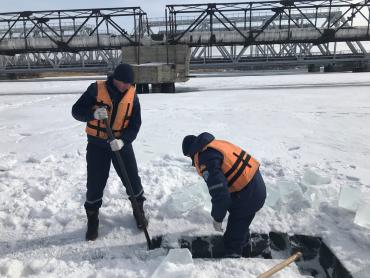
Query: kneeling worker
x=234, y=183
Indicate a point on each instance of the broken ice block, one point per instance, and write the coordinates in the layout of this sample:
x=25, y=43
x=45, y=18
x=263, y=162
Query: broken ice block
x=349, y=197
x=314, y=196
x=313, y=178
x=178, y=263
x=186, y=199
x=289, y=190
x=362, y=217
x=273, y=196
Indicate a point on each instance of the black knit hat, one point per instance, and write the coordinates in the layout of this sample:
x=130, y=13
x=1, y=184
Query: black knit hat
x=124, y=73
x=186, y=144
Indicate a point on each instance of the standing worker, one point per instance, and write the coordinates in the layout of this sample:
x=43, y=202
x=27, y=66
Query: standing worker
x=114, y=99
x=234, y=183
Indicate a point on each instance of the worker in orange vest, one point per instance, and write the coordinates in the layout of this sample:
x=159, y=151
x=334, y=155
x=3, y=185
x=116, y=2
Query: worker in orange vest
x=114, y=99
x=234, y=183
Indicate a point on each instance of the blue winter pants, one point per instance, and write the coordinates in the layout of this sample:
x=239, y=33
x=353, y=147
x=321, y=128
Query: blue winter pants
x=98, y=165
x=244, y=206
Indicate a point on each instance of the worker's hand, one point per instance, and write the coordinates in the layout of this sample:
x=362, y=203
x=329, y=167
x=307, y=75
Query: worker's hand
x=217, y=226
x=116, y=144
x=101, y=113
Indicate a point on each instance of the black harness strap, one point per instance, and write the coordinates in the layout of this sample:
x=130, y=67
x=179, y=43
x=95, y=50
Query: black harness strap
x=126, y=114
x=99, y=128
x=236, y=164
x=240, y=171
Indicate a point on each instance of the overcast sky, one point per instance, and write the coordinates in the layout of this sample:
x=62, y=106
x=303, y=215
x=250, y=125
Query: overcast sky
x=154, y=8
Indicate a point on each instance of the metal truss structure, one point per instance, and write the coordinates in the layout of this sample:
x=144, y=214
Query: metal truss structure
x=285, y=21
x=69, y=30
x=82, y=61
x=272, y=33
x=283, y=32
x=65, y=40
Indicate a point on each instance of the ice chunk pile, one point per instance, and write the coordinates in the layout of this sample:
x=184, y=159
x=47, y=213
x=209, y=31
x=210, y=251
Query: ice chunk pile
x=311, y=177
x=298, y=195
x=285, y=192
x=289, y=190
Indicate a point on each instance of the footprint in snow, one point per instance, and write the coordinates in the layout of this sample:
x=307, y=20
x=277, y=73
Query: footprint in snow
x=294, y=148
x=25, y=134
x=351, y=178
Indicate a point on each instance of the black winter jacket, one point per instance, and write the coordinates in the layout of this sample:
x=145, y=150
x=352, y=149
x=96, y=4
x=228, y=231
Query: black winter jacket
x=214, y=176
x=252, y=196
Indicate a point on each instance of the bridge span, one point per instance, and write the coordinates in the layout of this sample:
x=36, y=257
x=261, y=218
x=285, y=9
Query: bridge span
x=239, y=34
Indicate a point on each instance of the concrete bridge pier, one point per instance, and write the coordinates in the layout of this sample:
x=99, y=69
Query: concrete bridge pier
x=164, y=88
x=347, y=66
x=330, y=68
x=361, y=67
x=313, y=68
x=142, y=88
x=158, y=65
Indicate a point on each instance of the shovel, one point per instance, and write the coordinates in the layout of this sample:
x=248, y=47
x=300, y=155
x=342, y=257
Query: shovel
x=130, y=190
x=280, y=266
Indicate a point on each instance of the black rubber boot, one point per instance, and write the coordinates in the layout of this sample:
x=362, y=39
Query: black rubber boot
x=140, y=213
x=92, y=224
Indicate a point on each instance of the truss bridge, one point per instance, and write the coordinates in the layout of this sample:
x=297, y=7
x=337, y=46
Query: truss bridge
x=287, y=33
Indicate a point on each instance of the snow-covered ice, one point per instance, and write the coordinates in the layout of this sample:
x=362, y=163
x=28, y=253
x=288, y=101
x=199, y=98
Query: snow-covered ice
x=309, y=131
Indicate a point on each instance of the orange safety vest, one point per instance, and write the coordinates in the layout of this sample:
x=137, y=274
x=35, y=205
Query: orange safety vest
x=97, y=127
x=237, y=166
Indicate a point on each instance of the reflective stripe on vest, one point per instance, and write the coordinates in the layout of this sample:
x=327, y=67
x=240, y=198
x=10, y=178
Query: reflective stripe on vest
x=238, y=166
x=124, y=111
